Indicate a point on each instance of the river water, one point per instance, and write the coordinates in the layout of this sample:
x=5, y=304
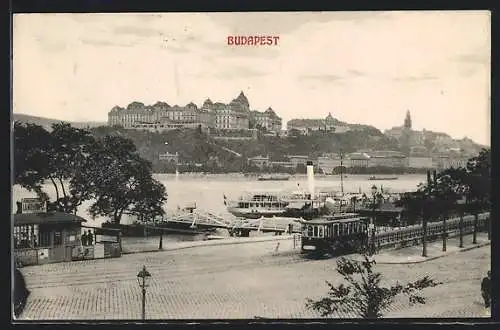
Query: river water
x=207, y=191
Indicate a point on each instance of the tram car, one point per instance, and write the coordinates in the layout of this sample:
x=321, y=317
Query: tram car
x=335, y=235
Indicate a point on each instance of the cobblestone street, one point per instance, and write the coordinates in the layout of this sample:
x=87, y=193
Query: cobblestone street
x=236, y=281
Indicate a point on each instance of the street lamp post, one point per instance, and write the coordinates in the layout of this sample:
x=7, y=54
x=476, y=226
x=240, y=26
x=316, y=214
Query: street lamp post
x=461, y=228
x=143, y=278
x=445, y=231
x=474, y=232
x=160, y=246
x=372, y=221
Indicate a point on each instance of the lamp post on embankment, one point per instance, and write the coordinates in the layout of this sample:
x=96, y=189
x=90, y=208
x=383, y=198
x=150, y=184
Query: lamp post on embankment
x=425, y=213
x=474, y=209
x=160, y=245
x=461, y=206
x=371, y=227
x=488, y=223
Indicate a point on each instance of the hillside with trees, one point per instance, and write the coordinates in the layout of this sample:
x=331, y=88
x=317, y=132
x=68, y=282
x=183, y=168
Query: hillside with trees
x=197, y=147
x=199, y=151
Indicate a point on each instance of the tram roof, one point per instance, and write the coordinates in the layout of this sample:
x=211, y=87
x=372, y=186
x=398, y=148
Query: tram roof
x=330, y=219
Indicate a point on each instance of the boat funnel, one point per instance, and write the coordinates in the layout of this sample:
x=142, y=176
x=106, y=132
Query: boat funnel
x=310, y=177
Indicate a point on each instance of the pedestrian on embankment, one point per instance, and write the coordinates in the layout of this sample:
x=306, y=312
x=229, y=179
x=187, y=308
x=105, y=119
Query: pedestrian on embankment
x=486, y=290
x=84, y=238
x=90, y=237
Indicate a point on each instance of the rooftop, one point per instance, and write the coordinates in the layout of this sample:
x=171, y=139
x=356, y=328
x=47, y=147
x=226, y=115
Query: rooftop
x=46, y=218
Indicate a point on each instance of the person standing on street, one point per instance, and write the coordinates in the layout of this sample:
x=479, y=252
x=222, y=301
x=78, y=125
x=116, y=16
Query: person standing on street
x=90, y=238
x=486, y=290
x=84, y=238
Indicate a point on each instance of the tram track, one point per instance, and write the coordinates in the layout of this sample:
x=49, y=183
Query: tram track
x=170, y=270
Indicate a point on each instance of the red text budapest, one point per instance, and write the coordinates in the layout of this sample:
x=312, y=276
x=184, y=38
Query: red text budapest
x=253, y=40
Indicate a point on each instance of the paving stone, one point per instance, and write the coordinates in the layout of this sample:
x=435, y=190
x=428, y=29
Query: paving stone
x=241, y=281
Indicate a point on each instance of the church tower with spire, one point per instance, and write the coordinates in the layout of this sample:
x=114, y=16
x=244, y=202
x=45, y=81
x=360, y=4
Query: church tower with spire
x=407, y=123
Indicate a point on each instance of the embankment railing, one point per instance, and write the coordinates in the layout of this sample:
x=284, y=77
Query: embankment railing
x=412, y=235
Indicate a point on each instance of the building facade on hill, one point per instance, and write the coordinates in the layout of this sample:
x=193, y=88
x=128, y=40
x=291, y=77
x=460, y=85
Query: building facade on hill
x=420, y=158
x=161, y=116
x=329, y=162
x=358, y=159
x=444, y=161
x=307, y=126
x=437, y=142
x=169, y=157
x=297, y=159
x=420, y=162
x=259, y=161
x=387, y=158
x=268, y=120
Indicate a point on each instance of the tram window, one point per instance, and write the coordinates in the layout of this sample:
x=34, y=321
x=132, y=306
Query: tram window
x=315, y=231
x=309, y=231
x=320, y=231
x=335, y=230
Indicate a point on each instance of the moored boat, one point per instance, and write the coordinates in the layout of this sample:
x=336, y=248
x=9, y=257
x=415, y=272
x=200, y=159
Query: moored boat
x=274, y=177
x=372, y=178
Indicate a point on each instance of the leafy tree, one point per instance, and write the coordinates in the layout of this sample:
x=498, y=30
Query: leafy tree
x=67, y=147
x=107, y=169
x=364, y=294
x=55, y=156
x=479, y=178
x=119, y=181
x=31, y=157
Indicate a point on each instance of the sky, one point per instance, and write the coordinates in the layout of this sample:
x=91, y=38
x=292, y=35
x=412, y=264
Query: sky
x=362, y=67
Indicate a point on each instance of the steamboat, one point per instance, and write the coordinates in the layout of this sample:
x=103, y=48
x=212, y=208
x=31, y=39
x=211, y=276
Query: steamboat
x=268, y=203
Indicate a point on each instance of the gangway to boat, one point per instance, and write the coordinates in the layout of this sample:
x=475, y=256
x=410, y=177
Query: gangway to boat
x=204, y=221
x=199, y=219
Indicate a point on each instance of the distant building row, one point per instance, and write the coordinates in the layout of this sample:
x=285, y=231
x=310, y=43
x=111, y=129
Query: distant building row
x=307, y=126
x=367, y=159
x=435, y=142
x=161, y=116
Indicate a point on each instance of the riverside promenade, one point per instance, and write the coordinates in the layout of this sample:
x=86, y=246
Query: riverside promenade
x=246, y=280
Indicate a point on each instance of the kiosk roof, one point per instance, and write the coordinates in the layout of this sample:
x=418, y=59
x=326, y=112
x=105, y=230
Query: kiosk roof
x=46, y=218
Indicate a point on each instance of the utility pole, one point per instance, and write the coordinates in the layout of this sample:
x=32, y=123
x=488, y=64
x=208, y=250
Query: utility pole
x=143, y=303
x=443, y=211
x=474, y=233
x=341, y=174
x=160, y=246
x=461, y=228
x=424, y=215
x=445, y=232
x=424, y=235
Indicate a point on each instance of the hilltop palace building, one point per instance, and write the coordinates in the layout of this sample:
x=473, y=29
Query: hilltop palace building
x=161, y=116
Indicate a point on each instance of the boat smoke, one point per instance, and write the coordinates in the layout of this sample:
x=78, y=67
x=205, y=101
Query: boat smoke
x=310, y=177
